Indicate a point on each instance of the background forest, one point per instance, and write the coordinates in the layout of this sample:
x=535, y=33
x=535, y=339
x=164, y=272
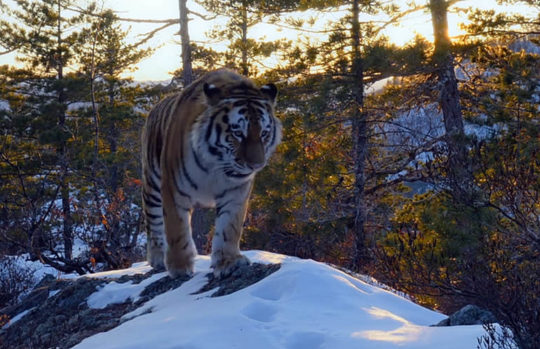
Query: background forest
x=416, y=164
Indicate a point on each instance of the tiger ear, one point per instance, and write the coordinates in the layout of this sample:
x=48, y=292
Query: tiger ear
x=270, y=91
x=213, y=93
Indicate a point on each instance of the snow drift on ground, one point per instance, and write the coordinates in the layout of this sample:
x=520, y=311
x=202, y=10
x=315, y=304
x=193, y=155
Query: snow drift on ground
x=304, y=305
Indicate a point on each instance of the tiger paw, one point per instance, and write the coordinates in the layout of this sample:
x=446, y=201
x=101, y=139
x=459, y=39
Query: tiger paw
x=180, y=265
x=155, y=253
x=186, y=272
x=226, y=265
x=156, y=259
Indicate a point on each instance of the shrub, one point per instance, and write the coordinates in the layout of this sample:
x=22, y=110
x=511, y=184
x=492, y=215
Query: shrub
x=16, y=279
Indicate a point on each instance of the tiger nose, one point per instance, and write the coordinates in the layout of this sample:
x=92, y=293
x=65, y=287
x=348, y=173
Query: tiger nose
x=255, y=156
x=256, y=165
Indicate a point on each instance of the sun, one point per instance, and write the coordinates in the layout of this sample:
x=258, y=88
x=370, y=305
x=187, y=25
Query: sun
x=420, y=24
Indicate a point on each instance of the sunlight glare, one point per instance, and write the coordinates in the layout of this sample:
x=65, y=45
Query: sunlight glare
x=407, y=332
x=379, y=313
x=420, y=24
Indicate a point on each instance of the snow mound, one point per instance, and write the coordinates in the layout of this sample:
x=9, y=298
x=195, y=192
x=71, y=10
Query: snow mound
x=305, y=304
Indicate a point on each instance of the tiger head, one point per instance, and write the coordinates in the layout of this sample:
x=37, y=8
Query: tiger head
x=242, y=131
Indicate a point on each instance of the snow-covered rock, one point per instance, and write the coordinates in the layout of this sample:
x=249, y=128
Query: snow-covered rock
x=278, y=302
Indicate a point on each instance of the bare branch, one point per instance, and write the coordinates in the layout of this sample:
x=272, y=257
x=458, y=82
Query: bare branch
x=123, y=19
x=152, y=33
x=204, y=17
x=10, y=50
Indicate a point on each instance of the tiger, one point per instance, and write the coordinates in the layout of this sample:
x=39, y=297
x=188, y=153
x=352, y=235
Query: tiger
x=202, y=147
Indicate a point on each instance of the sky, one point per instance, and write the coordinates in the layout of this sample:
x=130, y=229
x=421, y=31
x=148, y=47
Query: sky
x=166, y=57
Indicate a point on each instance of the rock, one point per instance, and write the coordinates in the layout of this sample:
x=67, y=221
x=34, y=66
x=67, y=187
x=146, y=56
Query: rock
x=64, y=320
x=241, y=278
x=36, y=297
x=162, y=285
x=468, y=315
x=46, y=281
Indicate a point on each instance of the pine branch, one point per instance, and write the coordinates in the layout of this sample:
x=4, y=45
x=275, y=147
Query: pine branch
x=151, y=34
x=201, y=16
x=123, y=19
x=10, y=50
x=304, y=30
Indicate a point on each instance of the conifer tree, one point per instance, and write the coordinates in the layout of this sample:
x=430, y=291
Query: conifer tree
x=44, y=36
x=459, y=173
x=103, y=57
x=354, y=56
x=355, y=63
x=504, y=76
x=450, y=247
x=187, y=69
x=242, y=52
x=73, y=148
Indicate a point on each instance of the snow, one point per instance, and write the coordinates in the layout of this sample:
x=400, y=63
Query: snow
x=114, y=292
x=378, y=86
x=36, y=268
x=305, y=304
x=17, y=318
x=136, y=268
x=53, y=293
x=4, y=105
x=75, y=106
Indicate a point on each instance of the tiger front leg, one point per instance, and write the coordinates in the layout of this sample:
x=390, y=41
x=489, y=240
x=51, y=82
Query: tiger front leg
x=181, y=251
x=226, y=256
x=153, y=212
x=155, y=249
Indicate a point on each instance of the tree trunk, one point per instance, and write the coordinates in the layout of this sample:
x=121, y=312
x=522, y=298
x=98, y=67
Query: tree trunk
x=199, y=221
x=444, y=60
x=186, y=46
x=459, y=176
x=95, y=113
x=245, y=67
x=113, y=134
x=62, y=148
x=359, y=136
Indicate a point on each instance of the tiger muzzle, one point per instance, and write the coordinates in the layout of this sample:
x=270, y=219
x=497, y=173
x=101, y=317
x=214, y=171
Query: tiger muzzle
x=254, y=154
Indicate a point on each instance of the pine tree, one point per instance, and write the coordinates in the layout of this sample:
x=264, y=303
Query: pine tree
x=187, y=69
x=78, y=129
x=103, y=56
x=243, y=53
x=459, y=173
x=451, y=250
x=353, y=54
x=503, y=96
x=44, y=36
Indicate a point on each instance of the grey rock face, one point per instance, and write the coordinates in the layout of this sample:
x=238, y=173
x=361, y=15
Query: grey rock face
x=468, y=315
x=64, y=319
x=239, y=279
